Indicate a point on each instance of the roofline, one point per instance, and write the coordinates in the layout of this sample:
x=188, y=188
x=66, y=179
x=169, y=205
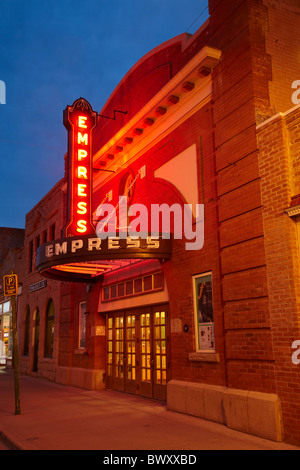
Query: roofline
x=56, y=186
x=184, y=38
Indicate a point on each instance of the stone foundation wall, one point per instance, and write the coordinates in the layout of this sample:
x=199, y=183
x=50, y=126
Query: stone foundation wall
x=246, y=411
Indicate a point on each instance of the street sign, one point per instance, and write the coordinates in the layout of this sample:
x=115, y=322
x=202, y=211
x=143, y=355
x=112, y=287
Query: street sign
x=10, y=284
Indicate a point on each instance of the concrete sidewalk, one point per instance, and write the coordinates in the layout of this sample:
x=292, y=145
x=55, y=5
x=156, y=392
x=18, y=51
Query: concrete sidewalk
x=56, y=417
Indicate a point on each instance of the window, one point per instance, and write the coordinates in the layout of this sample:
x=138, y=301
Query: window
x=6, y=307
x=82, y=325
x=204, y=316
x=36, y=246
x=121, y=290
x=49, y=335
x=146, y=284
x=30, y=255
x=26, y=332
x=127, y=186
x=44, y=236
x=106, y=293
x=36, y=340
x=113, y=292
x=158, y=281
x=129, y=288
x=5, y=329
x=138, y=285
x=52, y=232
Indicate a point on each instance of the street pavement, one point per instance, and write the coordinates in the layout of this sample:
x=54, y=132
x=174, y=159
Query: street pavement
x=58, y=417
x=3, y=445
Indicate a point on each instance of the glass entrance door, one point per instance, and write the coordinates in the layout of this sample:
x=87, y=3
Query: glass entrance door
x=137, y=352
x=130, y=353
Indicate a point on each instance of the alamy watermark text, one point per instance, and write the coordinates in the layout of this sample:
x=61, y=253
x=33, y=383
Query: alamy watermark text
x=138, y=220
x=2, y=92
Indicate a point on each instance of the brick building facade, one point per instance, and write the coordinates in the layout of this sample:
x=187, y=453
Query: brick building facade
x=202, y=119
x=278, y=162
x=11, y=252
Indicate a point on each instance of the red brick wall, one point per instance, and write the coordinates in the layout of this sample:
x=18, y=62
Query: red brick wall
x=278, y=169
x=40, y=219
x=282, y=44
x=183, y=265
x=240, y=98
x=10, y=238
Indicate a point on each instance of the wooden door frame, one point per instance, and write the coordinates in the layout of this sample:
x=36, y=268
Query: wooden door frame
x=138, y=387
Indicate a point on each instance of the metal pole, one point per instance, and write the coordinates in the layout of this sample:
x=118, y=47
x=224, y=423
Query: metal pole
x=15, y=356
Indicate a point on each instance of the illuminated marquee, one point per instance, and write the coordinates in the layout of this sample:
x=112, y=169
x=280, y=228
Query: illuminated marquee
x=79, y=120
x=82, y=255
x=84, y=258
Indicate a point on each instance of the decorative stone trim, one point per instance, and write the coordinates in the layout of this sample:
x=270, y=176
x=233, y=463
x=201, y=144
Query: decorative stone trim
x=80, y=351
x=204, y=357
x=293, y=211
x=89, y=379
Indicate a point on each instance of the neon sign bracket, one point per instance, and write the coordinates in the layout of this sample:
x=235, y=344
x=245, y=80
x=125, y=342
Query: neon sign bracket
x=113, y=118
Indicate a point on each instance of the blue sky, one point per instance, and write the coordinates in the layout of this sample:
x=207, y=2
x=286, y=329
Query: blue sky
x=51, y=53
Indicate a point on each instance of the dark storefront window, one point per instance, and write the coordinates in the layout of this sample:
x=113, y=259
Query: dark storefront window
x=27, y=332
x=49, y=336
x=5, y=331
x=82, y=324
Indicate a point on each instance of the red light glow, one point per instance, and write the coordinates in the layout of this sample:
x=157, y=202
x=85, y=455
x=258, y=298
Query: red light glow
x=76, y=118
x=97, y=267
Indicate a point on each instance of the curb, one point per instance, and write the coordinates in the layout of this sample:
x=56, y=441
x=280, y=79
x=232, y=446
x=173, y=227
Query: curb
x=11, y=443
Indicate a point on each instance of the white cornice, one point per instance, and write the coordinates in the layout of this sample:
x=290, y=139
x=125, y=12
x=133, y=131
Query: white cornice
x=276, y=117
x=293, y=211
x=198, y=73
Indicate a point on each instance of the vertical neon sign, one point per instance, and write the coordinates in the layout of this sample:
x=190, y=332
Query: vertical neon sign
x=79, y=120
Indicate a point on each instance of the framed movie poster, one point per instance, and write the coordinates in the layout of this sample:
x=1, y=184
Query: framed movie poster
x=204, y=312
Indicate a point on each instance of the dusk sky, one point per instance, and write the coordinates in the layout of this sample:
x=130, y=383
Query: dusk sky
x=55, y=51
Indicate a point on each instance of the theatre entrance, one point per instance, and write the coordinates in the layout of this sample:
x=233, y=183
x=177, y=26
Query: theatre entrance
x=138, y=351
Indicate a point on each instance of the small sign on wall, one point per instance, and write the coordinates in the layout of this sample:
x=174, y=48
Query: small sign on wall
x=206, y=335
x=38, y=285
x=10, y=284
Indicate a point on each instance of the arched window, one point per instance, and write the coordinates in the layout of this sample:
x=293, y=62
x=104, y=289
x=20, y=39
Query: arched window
x=36, y=317
x=49, y=334
x=26, y=332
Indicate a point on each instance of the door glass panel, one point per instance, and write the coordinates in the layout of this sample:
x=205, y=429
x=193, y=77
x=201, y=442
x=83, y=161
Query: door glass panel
x=130, y=347
x=146, y=347
x=110, y=346
x=119, y=348
x=160, y=348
